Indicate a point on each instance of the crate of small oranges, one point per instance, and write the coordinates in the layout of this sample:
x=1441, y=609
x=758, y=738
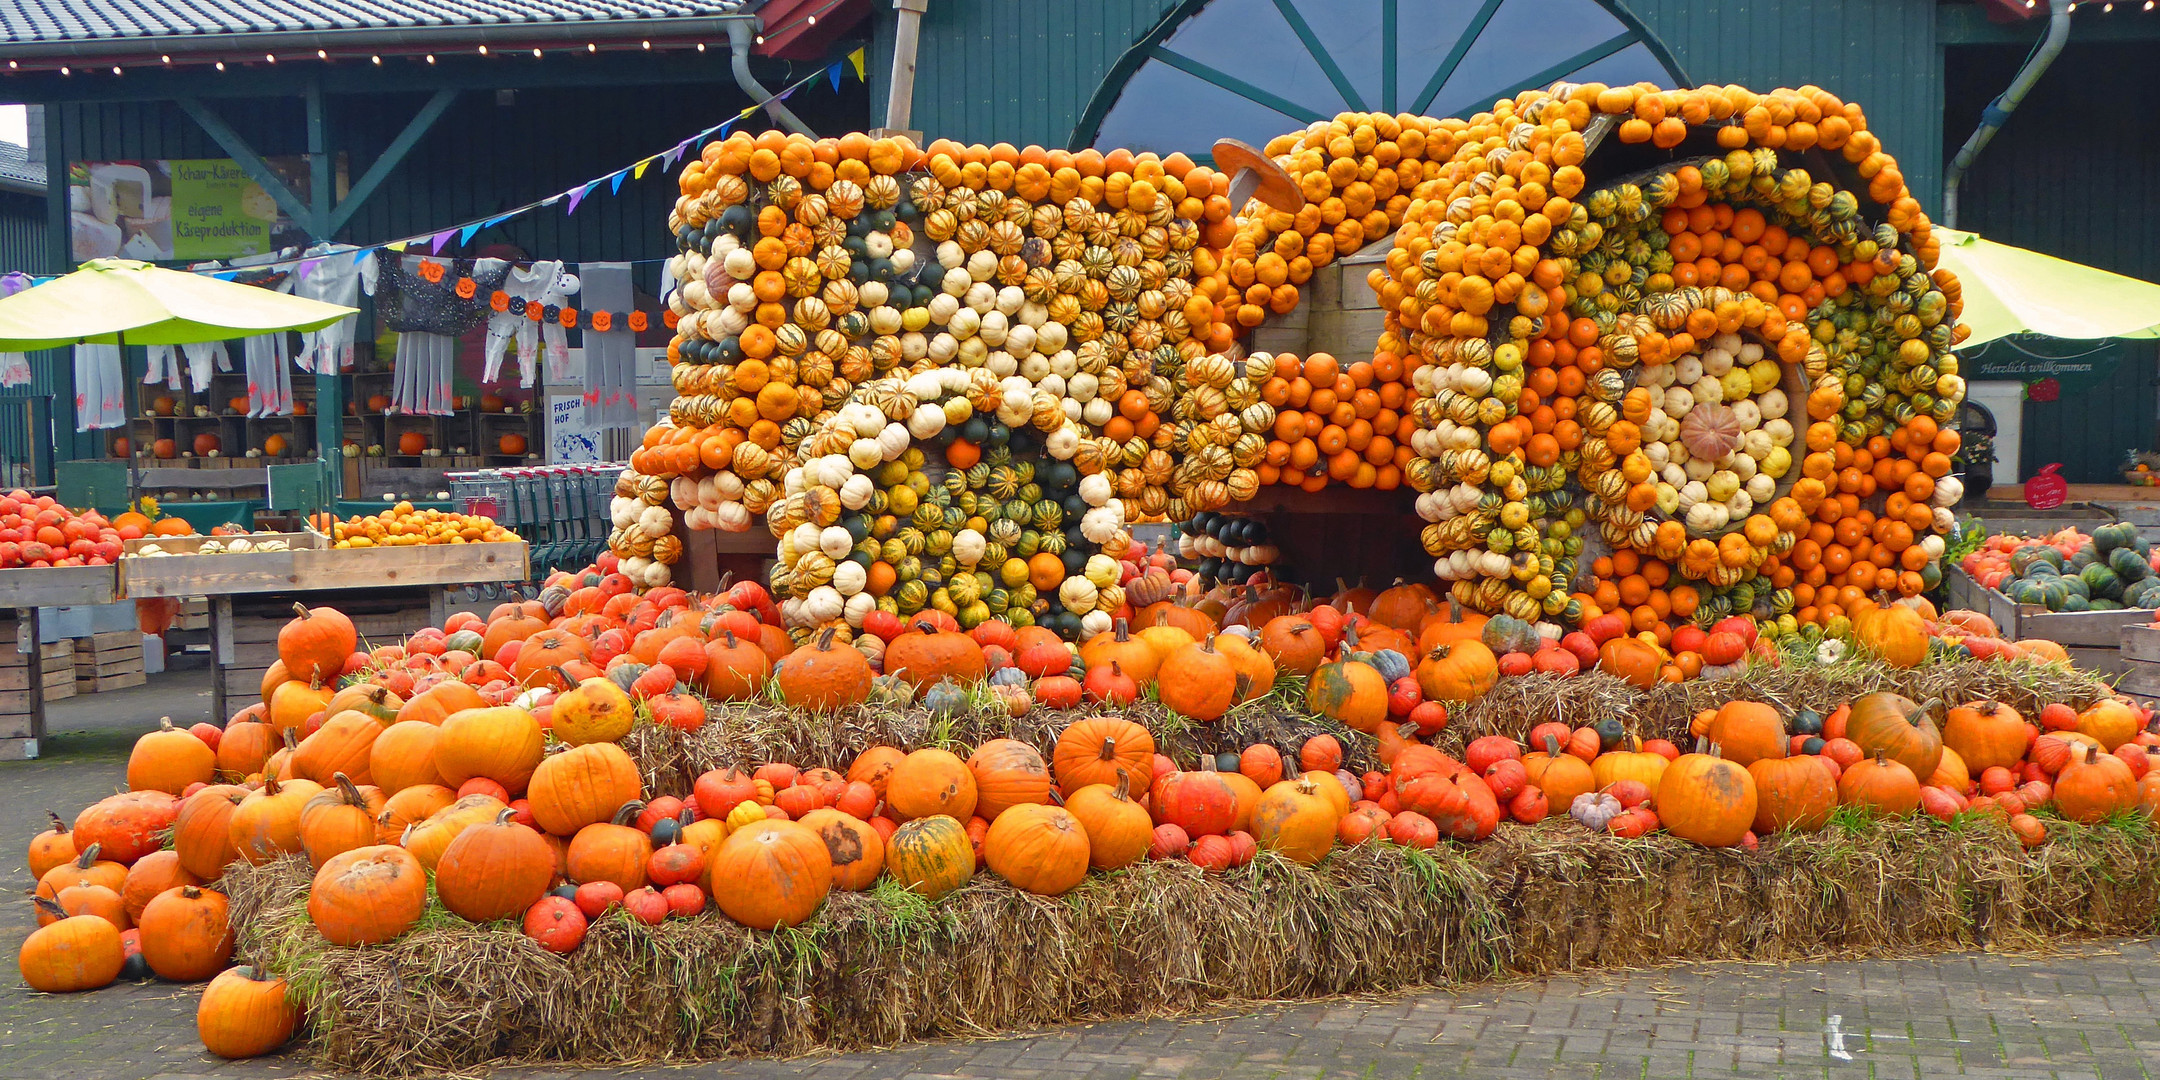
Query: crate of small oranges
x=402, y=525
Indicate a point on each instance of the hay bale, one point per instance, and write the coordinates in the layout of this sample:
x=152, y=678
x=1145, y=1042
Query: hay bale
x=875, y=968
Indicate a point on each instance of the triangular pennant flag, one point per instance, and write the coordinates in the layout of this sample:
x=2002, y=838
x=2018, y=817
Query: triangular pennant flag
x=361, y=255
x=638, y=172
x=615, y=183
x=396, y=246
x=787, y=93
x=743, y=115
x=307, y=266
x=466, y=234
x=833, y=73
x=442, y=238
x=578, y=196
x=498, y=219
x=856, y=58
x=668, y=160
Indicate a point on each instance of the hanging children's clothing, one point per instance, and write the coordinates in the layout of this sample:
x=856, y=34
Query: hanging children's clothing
x=269, y=379
x=557, y=339
x=14, y=366
x=100, y=387
x=337, y=278
x=521, y=287
x=201, y=355
x=419, y=299
x=164, y=366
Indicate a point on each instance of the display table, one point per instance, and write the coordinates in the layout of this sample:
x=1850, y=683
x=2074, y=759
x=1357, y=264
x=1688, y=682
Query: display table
x=387, y=591
x=22, y=710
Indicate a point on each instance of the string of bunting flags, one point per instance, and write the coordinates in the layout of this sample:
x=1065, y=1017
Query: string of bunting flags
x=435, y=240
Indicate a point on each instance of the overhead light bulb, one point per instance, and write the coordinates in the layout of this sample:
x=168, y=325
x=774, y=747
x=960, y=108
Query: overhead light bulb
x=591, y=48
x=221, y=65
x=377, y=60
x=165, y=59
x=322, y=54
x=701, y=46
x=647, y=45
x=116, y=69
x=483, y=50
x=64, y=70
x=813, y=20
x=270, y=57
x=536, y=54
x=431, y=58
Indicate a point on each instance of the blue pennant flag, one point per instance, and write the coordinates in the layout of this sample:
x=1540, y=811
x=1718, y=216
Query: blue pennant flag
x=361, y=255
x=497, y=220
x=615, y=184
x=466, y=234
x=833, y=73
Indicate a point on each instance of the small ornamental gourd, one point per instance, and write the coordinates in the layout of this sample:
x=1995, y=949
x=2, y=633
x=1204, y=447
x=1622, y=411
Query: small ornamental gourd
x=1594, y=810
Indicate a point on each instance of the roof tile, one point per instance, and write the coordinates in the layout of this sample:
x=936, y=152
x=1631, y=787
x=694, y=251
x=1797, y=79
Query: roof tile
x=28, y=21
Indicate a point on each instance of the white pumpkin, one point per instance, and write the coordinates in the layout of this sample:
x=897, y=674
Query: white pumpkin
x=849, y=577
x=967, y=546
x=824, y=605
x=1077, y=593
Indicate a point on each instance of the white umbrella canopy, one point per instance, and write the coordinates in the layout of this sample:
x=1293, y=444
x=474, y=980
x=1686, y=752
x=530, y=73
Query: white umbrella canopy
x=2009, y=290
x=110, y=300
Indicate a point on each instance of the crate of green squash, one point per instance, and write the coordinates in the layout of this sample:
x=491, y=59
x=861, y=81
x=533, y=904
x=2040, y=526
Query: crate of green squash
x=2075, y=589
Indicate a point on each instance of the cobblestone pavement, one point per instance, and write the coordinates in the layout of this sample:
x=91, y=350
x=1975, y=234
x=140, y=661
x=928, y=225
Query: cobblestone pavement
x=2092, y=1012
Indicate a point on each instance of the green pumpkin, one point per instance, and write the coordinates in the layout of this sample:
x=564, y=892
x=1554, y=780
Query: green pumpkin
x=2121, y=534
x=2077, y=603
x=1505, y=634
x=2128, y=564
x=2101, y=581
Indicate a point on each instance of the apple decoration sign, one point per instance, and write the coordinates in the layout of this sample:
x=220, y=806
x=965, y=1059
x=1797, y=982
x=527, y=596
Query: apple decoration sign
x=2046, y=490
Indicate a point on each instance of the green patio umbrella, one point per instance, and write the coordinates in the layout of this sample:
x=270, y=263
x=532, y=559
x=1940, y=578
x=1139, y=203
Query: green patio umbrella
x=121, y=301
x=2009, y=290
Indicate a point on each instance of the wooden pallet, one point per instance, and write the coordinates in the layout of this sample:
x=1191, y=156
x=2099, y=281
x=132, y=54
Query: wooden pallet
x=56, y=666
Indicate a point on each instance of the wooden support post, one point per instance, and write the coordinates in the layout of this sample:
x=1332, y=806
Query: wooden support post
x=221, y=653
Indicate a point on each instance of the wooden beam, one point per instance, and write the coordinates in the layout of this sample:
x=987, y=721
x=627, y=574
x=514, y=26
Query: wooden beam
x=1964, y=24
x=392, y=155
x=245, y=156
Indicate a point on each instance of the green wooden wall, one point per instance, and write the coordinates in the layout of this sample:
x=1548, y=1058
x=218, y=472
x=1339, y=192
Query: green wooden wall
x=2075, y=172
x=1022, y=71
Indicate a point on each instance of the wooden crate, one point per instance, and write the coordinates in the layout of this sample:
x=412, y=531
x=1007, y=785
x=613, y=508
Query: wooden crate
x=187, y=574
x=56, y=667
x=2092, y=638
x=109, y=661
x=427, y=564
x=193, y=615
x=2140, y=652
x=60, y=586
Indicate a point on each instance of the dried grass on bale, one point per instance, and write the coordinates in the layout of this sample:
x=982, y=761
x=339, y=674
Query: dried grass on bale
x=881, y=967
x=1516, y=705
x=748, y=734
x=876, y=968
x=745, y=735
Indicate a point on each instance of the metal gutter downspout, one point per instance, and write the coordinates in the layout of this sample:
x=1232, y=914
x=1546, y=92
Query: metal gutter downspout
x=740, y=38
x=1999, y=110
x=900, y=95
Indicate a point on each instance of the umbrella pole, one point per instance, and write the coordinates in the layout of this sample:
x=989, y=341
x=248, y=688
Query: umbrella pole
x=134, y=459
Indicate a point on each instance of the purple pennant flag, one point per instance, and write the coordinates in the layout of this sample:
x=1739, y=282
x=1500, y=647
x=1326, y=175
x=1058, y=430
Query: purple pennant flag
x=788, y=93
x=307, y=267
x=442, y=238
x=668, y=160
x=578, y=196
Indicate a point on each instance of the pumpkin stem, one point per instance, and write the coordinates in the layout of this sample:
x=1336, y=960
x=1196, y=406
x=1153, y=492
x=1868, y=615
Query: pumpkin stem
x=1122, y=790
x=270, y=784
x=50, y=907
x=629, y=811
x=2092, y=754
x=1552, y=745
x=58, y=825
x=89, y=857
x=503, y=816
x=164, y=723
x=345, y=788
